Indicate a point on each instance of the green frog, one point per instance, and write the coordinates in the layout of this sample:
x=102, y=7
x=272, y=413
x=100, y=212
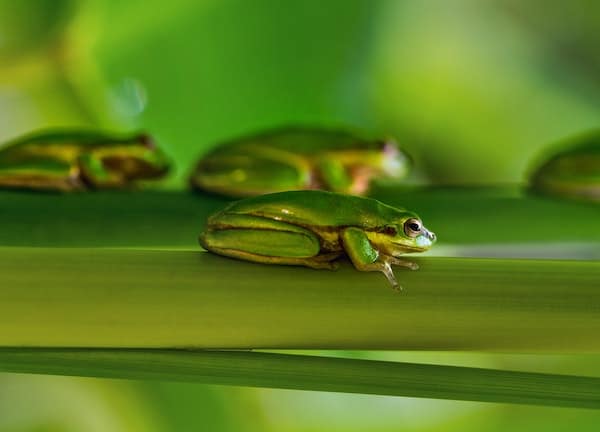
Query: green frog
x=297, y=158
x=73, y=159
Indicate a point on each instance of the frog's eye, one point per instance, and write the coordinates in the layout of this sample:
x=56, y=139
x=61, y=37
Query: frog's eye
x=412, y=227
x=147, y=141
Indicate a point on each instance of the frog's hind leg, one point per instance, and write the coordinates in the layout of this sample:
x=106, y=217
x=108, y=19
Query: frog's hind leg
x=263, y=240
x=43, y=176
x=313, y=262
x=252, y=172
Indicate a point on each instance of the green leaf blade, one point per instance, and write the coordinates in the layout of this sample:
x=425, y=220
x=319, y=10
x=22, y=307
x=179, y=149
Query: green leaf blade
x=172, y=299
x=302, y=372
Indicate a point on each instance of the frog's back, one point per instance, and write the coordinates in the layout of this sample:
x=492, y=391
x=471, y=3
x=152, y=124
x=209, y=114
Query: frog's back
x=67, y=139
x=57, y=144
x=303, y=140
x=319, y=208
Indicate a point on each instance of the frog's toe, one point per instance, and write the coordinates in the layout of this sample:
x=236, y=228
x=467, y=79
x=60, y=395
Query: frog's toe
x=400, y=262
x=413, y=265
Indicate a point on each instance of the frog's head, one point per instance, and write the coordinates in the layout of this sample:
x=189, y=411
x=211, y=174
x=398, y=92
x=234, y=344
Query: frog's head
x=383, y=161
x=395, y=163
x=407, y=235
x=137, y=158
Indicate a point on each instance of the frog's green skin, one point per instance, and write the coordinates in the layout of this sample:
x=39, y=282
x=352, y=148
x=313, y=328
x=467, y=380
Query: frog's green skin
x=313, y=228
x=296, y=159
x=67, y=160
x=572, y=172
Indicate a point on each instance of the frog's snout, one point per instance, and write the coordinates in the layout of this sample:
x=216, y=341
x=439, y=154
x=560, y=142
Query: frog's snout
x=429, y=235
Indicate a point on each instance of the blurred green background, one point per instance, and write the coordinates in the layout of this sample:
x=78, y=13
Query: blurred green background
x=473, y=89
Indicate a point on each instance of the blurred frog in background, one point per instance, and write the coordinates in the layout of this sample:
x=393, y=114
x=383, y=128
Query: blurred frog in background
x=296, y=158
x=68, y=160
x=573, y=171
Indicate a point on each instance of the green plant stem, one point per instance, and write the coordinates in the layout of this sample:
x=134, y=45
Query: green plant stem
x=459, y=216
x=166, y=299
x=312, y=373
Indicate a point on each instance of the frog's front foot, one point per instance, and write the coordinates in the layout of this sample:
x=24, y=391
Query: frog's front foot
x=397, y=287
x=412, y=265
x=400, y=262
x=386, y=269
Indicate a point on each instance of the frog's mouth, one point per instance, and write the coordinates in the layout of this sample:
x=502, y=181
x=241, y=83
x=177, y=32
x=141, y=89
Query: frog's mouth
x=428, y=238
x=420, y=243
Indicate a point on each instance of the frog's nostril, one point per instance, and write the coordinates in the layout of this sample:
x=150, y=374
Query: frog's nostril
x=432, y=236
